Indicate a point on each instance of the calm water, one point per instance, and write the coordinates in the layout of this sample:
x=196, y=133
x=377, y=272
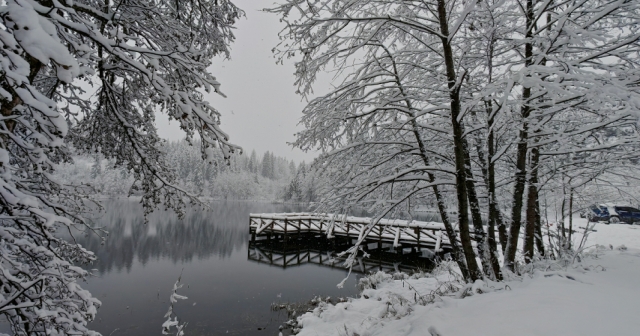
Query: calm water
x=227, y=293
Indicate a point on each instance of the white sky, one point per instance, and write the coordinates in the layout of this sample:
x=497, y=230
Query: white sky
x=261, y=110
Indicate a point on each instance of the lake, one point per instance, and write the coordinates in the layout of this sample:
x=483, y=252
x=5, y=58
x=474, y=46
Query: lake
x=229, y=292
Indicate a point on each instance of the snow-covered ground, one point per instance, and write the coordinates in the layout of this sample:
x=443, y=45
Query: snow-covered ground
x=598, y=296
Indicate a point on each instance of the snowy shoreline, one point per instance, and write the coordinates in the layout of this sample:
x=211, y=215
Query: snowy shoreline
x=594, y=296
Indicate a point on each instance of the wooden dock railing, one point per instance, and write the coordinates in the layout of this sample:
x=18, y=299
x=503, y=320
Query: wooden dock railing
x=398, y=232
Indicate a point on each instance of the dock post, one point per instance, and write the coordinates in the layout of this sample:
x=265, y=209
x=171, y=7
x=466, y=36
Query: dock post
x=285, y=230
x=252, y=232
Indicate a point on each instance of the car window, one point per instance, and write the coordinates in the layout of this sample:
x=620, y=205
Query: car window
x=598, y=209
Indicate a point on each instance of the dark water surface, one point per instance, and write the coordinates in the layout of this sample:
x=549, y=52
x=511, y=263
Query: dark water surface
x=228, y=281
x=227, y=293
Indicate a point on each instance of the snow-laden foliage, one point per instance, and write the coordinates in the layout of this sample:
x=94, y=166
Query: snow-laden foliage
x=493, y=106
x=92, y=73
x=241, y=179
x=170, y=323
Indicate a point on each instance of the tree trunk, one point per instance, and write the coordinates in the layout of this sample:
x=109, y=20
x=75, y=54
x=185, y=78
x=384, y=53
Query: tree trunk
x=460, y=147
x=521, y=156
x=480, y=236
x=532, y=210
x=533, y=228
x=492, y=246
x=538, y=237
x=533, y=197
x=570, y=218
x=495, y=218
x=562, y=238
x=458, y=255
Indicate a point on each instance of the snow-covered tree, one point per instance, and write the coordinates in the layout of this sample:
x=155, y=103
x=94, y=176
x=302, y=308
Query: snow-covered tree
x=92, y=73
x=466, y=101
x=252, y=166
x=268, y=165
x=217, y=180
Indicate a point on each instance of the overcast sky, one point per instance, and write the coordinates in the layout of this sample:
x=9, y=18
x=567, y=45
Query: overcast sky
x=261, y=110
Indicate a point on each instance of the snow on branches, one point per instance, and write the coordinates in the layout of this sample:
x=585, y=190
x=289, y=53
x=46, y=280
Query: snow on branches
x=92, y=74
x=483, y=104
x=170, y=323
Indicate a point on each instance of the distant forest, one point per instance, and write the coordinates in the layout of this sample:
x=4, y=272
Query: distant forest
x=245, y=177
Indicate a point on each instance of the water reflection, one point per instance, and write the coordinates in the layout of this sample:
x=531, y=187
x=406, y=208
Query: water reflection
x=228, y=294
x=317, y=250
x=218, y=231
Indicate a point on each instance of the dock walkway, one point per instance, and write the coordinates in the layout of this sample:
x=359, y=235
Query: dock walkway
x=400, y=233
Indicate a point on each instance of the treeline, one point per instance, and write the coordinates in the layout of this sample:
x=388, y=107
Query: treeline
x=245, y=177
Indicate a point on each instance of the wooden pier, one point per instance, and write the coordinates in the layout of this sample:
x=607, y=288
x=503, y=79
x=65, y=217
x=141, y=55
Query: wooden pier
x=399, y=233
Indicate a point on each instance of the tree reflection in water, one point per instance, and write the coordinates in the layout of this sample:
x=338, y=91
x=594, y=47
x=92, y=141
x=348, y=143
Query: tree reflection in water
x=228, y=293
x=218, y=231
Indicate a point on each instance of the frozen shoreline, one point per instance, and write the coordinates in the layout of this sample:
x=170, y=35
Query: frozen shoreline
x=596, y=296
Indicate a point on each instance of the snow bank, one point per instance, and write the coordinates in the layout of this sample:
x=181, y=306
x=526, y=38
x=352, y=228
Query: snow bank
x=598, y=296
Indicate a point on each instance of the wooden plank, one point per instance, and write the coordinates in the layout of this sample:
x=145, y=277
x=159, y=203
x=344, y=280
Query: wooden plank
x=386, y=230
x=351, y=219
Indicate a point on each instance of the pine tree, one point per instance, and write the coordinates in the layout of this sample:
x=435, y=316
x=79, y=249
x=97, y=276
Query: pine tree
x=272, y=166
x=292, y=168
x=253, y=164
x=266, y=165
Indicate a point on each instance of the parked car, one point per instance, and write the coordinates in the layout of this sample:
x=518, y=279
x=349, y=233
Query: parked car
x=613, y=213
x=625, y=214
x=597, y=213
